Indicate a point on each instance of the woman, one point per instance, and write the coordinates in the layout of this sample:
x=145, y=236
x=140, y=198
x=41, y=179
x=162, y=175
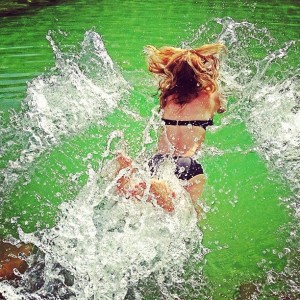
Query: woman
x=189, y=98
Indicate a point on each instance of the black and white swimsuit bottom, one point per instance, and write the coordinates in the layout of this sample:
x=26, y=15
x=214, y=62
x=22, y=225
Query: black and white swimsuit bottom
x=185, y=167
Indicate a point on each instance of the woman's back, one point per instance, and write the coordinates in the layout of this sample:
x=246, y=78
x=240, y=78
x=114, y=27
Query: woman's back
x=189, y=99
x=185, y=138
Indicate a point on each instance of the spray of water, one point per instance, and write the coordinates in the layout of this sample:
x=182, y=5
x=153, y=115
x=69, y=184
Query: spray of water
x=104, y=246
x=81, y=90
x=108, y=247
x=265, y=89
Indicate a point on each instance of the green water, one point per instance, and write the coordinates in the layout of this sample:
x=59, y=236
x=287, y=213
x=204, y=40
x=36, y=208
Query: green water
x=244, y=228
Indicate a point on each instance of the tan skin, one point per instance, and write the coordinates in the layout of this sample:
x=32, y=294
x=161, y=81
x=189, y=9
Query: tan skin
x=186, y=140
x=176, y=141
x=159, y=190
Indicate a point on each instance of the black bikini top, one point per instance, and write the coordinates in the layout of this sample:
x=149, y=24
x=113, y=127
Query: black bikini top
x=200, y=123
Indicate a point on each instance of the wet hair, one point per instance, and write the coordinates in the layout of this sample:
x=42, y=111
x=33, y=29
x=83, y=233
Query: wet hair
x=183, y=72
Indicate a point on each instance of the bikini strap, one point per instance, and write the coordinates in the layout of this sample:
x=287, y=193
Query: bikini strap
x=200, y=123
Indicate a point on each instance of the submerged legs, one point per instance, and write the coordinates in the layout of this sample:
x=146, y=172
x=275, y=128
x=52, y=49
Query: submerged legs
x=159, y=190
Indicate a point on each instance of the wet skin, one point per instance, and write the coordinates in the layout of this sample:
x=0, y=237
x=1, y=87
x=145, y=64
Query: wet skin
x=186, y=140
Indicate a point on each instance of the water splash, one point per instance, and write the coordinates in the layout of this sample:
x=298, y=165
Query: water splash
x=266, y=89
x=266, y=92
x=107, y=247
x=82, y=89
x=103, y=246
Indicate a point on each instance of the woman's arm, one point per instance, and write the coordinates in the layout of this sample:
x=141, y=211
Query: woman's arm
x=220, y=102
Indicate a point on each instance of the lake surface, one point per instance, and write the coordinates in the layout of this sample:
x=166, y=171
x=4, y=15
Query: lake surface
x=74, y=83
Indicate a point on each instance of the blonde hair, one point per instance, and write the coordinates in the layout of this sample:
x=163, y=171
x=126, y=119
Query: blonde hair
x=182, y=72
